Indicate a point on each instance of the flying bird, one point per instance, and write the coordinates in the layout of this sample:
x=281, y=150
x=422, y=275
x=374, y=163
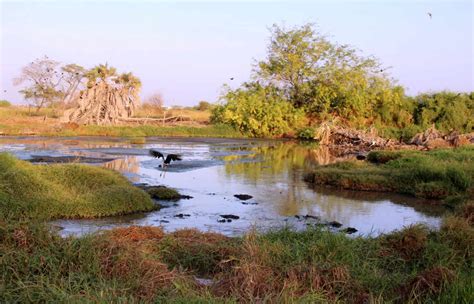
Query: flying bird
x=429, y=14
x=384, y=69
x=169, y=158
x=231, y=78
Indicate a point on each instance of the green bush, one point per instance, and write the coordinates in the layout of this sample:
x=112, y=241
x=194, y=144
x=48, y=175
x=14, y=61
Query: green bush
x=305, y=133
x=257, y=111
x=204, y=106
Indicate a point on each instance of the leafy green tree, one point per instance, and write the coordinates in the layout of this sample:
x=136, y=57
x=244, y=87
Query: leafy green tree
x=324, y=77
x=325, y=80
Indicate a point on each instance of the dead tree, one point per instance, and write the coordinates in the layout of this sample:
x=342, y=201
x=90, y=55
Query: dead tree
x=107, y=99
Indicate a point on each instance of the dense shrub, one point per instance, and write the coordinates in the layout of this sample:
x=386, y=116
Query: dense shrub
x=447, y=110
x=204, y=106
x=258, y=111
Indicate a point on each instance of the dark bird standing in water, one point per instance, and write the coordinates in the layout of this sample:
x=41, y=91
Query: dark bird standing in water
x=168, y=159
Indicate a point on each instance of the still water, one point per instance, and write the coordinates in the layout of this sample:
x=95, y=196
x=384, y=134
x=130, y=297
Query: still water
x=214, y=170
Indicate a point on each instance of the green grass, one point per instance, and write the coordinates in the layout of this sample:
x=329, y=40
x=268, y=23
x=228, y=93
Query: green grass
x=163, y=193
x=66, y=191
x=436, y=174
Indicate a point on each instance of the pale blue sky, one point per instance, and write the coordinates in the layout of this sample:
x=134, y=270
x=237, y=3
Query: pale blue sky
x=188, y=50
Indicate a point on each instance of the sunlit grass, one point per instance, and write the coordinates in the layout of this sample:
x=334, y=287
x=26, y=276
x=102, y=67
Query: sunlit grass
x=66, y=191
x=435, y=174
x=17, y=120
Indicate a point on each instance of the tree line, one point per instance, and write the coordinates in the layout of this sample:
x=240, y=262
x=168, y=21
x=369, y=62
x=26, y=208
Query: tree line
x=306, y=79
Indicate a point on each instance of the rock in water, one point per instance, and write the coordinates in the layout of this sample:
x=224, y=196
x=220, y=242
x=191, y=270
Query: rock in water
x=350, y=230
x=230, y=216
x=361, y=157
x=335, y=224
x=243, y=197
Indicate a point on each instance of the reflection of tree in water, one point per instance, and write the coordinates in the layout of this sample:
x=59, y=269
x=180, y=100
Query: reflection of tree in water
x=322, y=155
x=278, y=172
x=280, y=167
x=420, y=205
x=271, y=161
x=126, y=165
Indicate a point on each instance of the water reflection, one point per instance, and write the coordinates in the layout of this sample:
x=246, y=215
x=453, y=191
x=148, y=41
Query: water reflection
x=128, y=165
x=213, y=170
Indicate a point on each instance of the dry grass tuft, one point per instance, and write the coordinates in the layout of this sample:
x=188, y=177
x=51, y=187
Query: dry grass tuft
x=203, y=253
x=467, y=212
x=194, y=236
x=408, y=243
x=130, y=254
x=136, y=234
x=20, y=237
x=254, y=278
x=429, y=282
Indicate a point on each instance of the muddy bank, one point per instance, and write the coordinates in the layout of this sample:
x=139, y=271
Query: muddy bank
x=68, y=159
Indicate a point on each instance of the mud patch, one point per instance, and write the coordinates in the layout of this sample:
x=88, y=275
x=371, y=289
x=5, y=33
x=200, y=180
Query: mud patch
x=68, y=159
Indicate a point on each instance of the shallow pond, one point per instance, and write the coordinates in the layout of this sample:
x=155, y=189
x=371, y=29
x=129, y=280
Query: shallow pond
x=214, y=170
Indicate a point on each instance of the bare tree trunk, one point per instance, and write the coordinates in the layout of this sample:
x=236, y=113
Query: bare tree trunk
x=103, y=104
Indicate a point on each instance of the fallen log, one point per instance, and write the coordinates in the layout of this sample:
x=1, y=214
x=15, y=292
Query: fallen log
x=154, y=120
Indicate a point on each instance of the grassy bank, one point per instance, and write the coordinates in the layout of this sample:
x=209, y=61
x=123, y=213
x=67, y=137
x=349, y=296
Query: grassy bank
x=65, y=191
x=17, y=121
x=436, y=174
